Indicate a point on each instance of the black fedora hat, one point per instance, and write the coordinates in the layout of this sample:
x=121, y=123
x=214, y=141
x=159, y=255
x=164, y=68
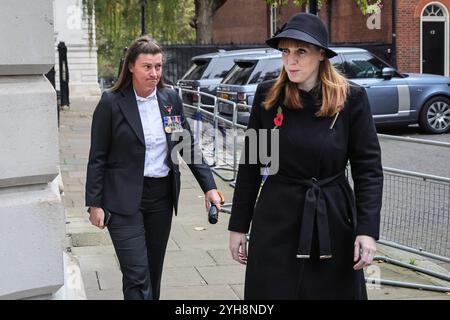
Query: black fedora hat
x=304, y=27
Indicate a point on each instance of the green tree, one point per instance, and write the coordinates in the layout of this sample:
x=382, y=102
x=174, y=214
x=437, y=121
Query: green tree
x=118, y=23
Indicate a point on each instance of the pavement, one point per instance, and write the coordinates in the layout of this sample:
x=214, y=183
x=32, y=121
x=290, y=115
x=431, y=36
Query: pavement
x=198, y=265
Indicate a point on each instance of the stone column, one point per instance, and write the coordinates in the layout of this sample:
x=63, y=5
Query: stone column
x=72, y=28
x=32, y=223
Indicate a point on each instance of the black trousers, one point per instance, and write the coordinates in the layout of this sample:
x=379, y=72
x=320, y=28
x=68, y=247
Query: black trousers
x=140, y=240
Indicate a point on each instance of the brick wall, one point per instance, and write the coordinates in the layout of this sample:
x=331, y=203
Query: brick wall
x=408, y=36
x=285, y=13
x=247, y=21
x=241, y=21
x=349, y=25
x=408, y=32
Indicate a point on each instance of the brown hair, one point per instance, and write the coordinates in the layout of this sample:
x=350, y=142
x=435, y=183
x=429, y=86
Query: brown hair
x=331, y=95
x=145, y=45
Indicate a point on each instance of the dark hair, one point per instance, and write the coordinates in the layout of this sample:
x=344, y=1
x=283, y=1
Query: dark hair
x=145, y=45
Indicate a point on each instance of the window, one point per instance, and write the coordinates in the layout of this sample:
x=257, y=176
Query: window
x=220, y=67
x=433, y=11
x=266, y=69
x=240, y=72
x=363, y=65
x=195, y=72
x=337, y=63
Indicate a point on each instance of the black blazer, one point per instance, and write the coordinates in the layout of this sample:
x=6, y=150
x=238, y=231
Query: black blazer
x=115, y=171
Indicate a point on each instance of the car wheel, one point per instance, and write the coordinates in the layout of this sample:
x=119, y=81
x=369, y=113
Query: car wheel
x=435, y=115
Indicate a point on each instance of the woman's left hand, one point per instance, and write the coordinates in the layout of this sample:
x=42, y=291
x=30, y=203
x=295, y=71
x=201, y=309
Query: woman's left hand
x=365, y=248
x=212, y=196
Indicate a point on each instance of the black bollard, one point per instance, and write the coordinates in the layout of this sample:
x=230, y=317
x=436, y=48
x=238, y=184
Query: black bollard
x=63, y=74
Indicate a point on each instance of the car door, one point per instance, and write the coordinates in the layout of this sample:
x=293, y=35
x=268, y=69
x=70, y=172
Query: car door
x=389, y=98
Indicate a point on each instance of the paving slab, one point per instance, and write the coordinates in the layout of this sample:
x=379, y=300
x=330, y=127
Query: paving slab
x=181, y=276
x=93, y=250
x=230, y=274
x=238, y=289
x=93, y=294
x=209, y=292
x=188, y=258
x=222, y=257
x=110, y=279
x=98, y=262
x=84, y=238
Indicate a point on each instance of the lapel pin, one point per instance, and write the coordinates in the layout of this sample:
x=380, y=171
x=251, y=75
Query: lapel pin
x=334, y=120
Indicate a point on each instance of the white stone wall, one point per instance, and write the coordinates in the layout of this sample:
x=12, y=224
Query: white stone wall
x=28, y=131
x=72, y=28
x=32, y=225
x=31, y=231
x=18, y=40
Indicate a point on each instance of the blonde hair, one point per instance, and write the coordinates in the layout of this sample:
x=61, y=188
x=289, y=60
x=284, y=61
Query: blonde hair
x=332, y=85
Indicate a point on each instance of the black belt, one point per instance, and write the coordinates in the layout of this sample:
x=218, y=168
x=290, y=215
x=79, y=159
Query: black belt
x=169, y=176
x=314, y=208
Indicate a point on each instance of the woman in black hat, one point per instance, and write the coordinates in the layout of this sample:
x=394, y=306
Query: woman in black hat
x=311, y=234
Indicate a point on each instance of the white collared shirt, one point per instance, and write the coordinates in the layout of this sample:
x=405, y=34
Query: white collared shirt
x=154, y=136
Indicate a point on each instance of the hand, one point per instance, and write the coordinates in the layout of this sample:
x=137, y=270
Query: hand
x=97, y=217
x=212, y=196
x=365, y=248
x=238, y=247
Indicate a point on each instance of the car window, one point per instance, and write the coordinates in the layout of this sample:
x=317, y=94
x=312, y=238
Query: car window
x=337, y=63
x=240, y=72
x=363, y=65
x=195, y=72
x=219, y=68
x=266, y=69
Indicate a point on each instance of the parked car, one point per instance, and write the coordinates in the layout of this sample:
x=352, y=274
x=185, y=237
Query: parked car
x=106, y=82
x=395, y=98
x=240, y=83
x=208, y=70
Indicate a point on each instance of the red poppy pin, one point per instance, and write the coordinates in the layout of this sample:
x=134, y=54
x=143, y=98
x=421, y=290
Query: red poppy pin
x=278, y=120
x=168, y=109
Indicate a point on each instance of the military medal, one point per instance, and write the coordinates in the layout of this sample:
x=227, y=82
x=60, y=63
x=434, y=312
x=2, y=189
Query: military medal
x=168, y=127
x=172, y=124
x=178, y=126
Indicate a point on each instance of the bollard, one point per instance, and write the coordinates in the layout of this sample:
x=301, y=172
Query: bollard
x=63, y=74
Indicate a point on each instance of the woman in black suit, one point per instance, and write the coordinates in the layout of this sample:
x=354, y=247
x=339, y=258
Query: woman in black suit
x=132, y=173
x=311, y=235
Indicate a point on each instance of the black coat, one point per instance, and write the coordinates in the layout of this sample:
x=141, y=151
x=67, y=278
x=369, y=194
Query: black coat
x=115, y=172
x=298, y=203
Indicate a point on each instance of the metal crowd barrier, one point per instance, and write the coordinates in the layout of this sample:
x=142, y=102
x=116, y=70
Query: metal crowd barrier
x=415, y=217
x=218, y=154
x=416, y=207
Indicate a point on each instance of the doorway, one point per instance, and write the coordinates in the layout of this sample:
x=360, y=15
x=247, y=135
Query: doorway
x=434, y=40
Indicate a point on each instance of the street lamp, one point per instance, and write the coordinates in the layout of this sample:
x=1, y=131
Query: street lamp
x=143, y=3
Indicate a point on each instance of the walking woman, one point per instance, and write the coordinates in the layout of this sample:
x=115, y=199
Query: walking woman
x=131, y=175
x=311, y=235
